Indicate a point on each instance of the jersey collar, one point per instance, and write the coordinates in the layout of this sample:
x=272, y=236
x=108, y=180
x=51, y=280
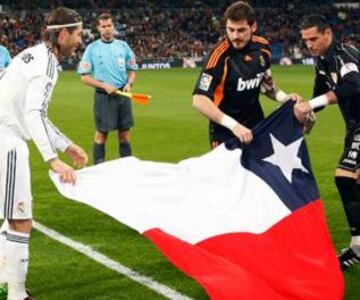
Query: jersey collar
x=248, y=47
x=327, y=57
x=107, y=42
x=51, y=52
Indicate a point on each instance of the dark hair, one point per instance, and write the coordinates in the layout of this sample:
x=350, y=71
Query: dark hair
x=104, y=16
x=315, y=20
x=240, y=11
x=59, y=16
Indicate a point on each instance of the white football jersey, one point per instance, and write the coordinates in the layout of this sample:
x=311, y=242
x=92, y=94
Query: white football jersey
x=26, y=87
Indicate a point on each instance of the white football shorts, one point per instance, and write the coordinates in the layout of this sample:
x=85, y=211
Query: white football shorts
x=15, y=182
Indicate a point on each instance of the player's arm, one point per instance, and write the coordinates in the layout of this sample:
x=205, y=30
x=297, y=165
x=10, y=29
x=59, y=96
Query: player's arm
x=47, y=137
x=204, y=94
x=131, y=79
x=268, y=85
x=349, y=86
x=85, y=70
x=89, y=80
x=131, y=67
x=7, y=58
x=347, y=89
x=272, y=91
x=204, y=105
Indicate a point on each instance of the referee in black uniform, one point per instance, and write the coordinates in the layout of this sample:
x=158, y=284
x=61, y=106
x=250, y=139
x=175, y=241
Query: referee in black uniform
x=338, y=81
x=234, y=73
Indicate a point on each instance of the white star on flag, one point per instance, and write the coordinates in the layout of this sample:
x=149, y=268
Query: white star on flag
x=285, y=157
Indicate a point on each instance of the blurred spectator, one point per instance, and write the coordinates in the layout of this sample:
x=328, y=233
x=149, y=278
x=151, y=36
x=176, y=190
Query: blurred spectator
x=165, y=29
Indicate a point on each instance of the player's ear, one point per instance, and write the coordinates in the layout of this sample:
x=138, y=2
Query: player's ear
x=63, y=34
x=254, y=27
x=328, y=32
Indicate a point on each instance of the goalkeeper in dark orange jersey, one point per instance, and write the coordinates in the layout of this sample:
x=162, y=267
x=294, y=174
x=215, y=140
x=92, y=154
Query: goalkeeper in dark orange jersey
x=234, y=73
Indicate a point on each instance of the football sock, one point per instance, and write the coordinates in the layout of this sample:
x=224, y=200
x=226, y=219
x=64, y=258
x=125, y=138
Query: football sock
x=124, y=149
x=4, y=228
x=17, y=261
x=98, y=153
x=350, y=196
x=355, y=244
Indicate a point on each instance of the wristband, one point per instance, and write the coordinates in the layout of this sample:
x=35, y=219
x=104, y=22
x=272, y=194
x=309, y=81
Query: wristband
x=228, y=122
x=281, y=96
x=319, y=101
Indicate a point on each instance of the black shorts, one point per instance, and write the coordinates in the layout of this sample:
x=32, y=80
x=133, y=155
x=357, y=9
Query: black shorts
x=218, y=138
x=350, y=158
x=219, y=134
x=112, y=112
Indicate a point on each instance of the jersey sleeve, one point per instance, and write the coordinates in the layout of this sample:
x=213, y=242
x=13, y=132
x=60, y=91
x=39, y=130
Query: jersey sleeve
x=320, y=86
x=34, y=64
x=211, y=75
x=7, y=58
x=349, y=85
x=86, y=64
x=268, y=85
x=266, y=56
x=130, y=60
x=45, y=135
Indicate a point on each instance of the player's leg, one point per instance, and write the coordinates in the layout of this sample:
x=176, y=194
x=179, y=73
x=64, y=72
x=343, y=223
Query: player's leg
x=125, y=122
x=124, y=142
x=17, y=209
x=4, y=226
x=99, y=147
x=102, y=110
x=3, y=281
x=17, y=257
x=346, y=183
x=218, y=137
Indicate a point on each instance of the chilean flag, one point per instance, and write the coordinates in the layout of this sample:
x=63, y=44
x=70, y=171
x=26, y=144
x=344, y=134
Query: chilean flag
x=246, y=222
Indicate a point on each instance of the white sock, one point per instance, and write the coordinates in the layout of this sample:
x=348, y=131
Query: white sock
x=4, y=226
x=355, y=244
x=17, y=261
x=3, y=230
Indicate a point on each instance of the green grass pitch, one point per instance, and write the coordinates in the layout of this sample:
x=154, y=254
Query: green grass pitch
x=168, y=129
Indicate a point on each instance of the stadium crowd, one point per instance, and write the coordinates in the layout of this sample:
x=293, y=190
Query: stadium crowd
x=165, y=29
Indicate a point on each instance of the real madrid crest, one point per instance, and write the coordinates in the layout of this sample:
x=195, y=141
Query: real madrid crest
x=21, y=207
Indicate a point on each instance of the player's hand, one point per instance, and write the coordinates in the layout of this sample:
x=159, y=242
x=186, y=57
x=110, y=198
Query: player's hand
x=109, y=89
x=294, y=97
x=243, y=133
x=309, y=122
x=78, y=155
x=67, y=173
x=358, y=176
x=127, y=88
x=301, y=110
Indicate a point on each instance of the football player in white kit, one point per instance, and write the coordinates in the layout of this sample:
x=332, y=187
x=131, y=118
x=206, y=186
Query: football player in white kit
x=25, y=91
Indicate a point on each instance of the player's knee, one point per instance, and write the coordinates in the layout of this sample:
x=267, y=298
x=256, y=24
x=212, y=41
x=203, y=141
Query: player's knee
x=214, y=144
x=124, y=136
x=345, y=173
x=23, y=226
x=348, y=190
x=100, y=137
